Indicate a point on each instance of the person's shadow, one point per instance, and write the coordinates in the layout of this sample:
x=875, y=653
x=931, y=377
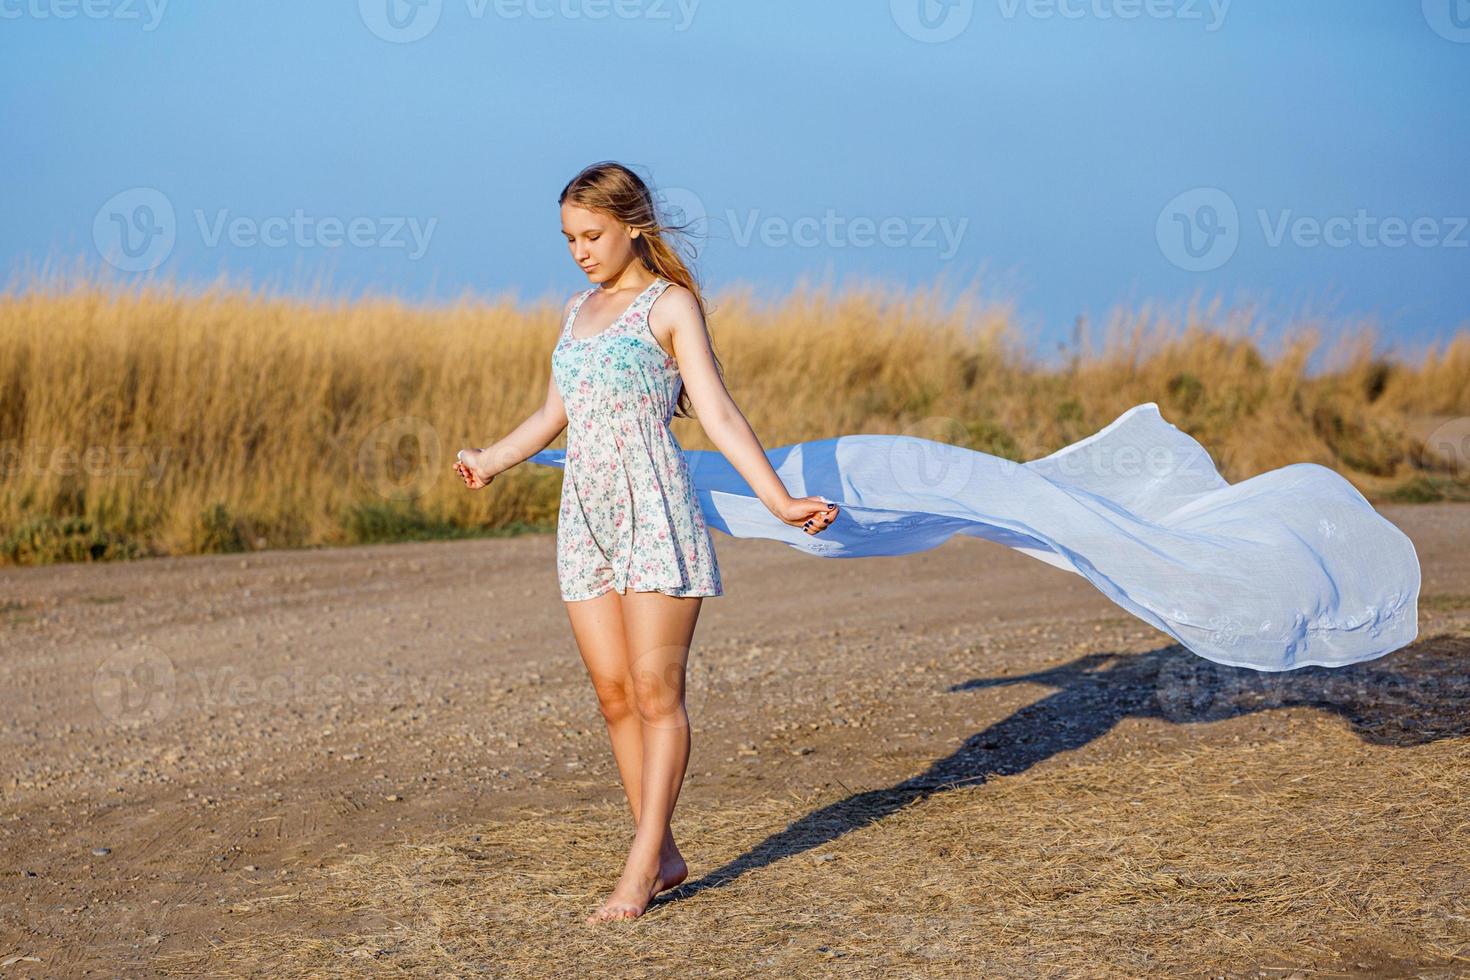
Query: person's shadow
x=1411, y=697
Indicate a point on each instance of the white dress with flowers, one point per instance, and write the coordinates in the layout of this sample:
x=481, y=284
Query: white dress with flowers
x=629, y=517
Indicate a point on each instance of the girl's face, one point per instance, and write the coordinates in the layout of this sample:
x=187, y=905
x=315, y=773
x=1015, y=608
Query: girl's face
x=600, y=244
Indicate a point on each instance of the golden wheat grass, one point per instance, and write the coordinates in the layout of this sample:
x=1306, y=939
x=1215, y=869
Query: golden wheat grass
x=150, y=419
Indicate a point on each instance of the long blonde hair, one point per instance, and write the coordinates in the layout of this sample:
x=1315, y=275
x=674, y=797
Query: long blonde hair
x=613, y=189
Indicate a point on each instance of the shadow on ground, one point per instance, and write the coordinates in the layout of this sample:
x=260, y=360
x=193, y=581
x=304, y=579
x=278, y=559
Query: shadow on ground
x=1412, y=697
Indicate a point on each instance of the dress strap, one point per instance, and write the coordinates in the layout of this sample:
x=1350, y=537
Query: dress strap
x=655, y=290
x=639, y=323
x=566, y=326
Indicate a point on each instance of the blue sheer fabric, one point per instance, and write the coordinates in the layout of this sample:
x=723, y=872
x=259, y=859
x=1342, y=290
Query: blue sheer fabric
x=1290, y=568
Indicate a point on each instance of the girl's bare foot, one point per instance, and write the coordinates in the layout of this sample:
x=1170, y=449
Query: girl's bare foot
x=640, y=882
x=671, y=868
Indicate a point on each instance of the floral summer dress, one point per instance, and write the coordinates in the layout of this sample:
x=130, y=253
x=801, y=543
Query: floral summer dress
x=629, y=518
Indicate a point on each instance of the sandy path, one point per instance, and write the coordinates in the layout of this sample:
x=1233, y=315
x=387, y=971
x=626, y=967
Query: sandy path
x=222, y=722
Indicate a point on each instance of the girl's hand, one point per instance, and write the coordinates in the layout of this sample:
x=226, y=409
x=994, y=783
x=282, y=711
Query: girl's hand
x=811, y=514
x=470, y=465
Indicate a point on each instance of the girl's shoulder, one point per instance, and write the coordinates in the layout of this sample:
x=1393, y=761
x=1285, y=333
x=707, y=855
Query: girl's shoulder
x=566, y=309
x=673, y=300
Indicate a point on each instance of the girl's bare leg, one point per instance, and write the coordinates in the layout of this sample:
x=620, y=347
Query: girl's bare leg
x=657, y=631
x=599, y=628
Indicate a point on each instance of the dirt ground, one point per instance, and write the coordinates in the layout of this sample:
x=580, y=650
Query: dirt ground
x=189, y=746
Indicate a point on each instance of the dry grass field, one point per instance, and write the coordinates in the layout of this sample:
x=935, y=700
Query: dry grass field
x=150, y=421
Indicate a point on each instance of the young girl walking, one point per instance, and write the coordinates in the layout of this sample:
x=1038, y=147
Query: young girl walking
x=1290, y=568
x=634, y=555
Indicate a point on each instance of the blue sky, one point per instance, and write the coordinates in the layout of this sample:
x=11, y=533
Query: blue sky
x=1068, y=155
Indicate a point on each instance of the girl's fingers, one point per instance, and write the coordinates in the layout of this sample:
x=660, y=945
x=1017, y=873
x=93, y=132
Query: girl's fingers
x=819, y=517
x=821, y=520
x=813, y=525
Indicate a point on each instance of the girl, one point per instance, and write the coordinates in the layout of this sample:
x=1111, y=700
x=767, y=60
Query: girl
x=1291, y=568
x=634, y=556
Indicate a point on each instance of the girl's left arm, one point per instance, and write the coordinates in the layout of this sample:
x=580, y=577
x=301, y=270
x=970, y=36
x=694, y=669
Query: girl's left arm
x=721, y=418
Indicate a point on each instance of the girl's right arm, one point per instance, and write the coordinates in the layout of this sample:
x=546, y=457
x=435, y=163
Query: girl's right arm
x=539, y=430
